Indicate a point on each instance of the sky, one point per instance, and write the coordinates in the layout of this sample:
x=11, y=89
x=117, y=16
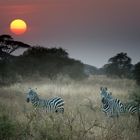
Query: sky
x=90, y=30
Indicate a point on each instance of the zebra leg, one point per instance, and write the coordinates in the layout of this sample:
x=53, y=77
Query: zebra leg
x=139, y=116
x=139, y=119
x=60, y=110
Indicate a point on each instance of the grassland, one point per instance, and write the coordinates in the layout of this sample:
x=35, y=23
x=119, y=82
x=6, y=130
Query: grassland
x=82, y=120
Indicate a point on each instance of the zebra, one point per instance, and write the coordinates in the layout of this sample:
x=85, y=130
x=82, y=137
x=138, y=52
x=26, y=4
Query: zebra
x=105, y=94
x=55, y=104
x=113, y=107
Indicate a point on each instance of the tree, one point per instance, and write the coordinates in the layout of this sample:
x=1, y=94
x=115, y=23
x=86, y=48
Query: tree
x=136, y=73
x=119, y=65
x=49, y=62
x=41, y=51
x=8, y=45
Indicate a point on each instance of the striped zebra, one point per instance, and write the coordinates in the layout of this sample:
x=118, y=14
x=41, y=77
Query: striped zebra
x=52, y=105
x=105, y=94
x=113, y=107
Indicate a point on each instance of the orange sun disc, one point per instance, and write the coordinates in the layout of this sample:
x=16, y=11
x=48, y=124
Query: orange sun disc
x=18, y=26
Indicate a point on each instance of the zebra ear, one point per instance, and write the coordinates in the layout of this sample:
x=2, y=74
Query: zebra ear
x=101, y=88
x=106, y=88
x=29, y=89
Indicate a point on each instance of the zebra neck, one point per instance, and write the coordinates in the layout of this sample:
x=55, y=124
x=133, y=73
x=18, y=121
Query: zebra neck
x=105, y=106
x=35, y=100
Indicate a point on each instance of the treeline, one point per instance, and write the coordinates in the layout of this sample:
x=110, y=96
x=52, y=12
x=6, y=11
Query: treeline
x=120, y=66
x=48, y=62
x=36, y=62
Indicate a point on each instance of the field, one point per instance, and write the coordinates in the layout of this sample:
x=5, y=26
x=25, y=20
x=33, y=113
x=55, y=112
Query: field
x=82, y=120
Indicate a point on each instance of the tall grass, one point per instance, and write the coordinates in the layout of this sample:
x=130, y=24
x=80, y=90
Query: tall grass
x=82, y=120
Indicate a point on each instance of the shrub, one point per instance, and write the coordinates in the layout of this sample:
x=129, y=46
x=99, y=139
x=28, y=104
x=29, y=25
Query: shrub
x=7, y=127
x=136, y=73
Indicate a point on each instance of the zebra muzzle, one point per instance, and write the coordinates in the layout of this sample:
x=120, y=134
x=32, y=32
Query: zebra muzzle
x=103, y=100
x=28, y=100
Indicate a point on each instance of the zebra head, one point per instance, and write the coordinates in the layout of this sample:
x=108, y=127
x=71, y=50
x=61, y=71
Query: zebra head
x=31, y=96
x=105, y=94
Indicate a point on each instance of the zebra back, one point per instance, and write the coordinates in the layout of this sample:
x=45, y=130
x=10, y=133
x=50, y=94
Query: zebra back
x=55, y=105
x=131, y=108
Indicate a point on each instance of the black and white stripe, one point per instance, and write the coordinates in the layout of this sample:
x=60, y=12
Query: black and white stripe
x=52, y=105
x=114, y=107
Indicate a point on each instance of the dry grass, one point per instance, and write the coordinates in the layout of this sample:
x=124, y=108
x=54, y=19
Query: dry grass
x=82, y=120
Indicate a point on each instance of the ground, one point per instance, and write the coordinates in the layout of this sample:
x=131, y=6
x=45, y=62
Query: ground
x=82, y=120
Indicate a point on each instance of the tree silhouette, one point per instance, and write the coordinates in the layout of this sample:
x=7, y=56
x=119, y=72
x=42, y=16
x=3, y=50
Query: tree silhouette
x=35, y=63
x=119, y=65
x=41, y=51
x=49, y=62
x=8, y=45
x=136, y=73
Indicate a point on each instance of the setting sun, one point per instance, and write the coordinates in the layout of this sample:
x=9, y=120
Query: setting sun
x=18, y=26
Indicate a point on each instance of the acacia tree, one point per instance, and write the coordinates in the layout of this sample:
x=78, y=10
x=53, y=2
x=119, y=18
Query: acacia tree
x=119, y=65
x=8, y=45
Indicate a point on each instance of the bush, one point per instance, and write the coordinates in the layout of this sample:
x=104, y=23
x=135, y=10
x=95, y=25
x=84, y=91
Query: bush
x=135, y=95
x=39, y=62
x=137, y=73
x=7, y=128
x=119, y=66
